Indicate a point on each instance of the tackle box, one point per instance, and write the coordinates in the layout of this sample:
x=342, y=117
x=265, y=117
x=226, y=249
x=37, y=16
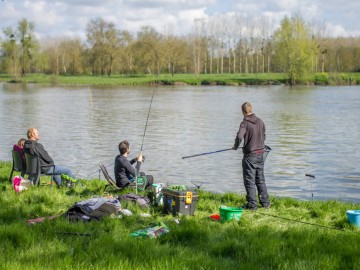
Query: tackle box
x=179, y=202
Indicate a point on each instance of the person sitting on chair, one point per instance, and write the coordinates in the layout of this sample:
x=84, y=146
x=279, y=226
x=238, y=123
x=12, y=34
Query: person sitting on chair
x=124, y=172
x=19, y=147
x=32, y=147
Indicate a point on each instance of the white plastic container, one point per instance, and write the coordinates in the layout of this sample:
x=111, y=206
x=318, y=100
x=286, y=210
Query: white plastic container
x=158, y=196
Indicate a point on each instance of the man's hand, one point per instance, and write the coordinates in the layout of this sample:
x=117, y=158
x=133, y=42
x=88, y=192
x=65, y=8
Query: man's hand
x=140, y=157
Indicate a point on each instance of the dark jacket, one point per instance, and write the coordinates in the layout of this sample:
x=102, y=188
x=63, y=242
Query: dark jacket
x=124, y=171
x=252, y=131
x=35, y=148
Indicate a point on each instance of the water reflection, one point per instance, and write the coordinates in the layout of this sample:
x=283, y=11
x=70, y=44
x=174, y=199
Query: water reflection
x=310, y=129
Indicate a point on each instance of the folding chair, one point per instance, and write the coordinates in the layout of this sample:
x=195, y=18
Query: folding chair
x=111, y=182
x=18, y=164
x=33, y=169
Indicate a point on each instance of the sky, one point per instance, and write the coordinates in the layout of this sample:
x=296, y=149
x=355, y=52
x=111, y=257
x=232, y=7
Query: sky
x=68, y=18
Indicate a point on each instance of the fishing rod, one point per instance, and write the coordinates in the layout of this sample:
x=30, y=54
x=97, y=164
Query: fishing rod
x=147, y=119
x=304, y=222
x=98, y=170
x=208, y=153
x=142, y=143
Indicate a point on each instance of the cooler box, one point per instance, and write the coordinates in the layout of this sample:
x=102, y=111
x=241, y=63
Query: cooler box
x=183, y=202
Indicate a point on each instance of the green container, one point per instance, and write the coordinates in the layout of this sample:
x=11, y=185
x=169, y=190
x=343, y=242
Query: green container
x=229, y=213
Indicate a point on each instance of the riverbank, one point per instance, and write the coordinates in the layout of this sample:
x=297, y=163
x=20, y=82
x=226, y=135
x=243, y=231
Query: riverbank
x=292, y=234
x=186, y=79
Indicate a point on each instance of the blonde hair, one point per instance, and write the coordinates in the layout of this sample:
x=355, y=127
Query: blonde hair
x=21, y=142
x=246, y=108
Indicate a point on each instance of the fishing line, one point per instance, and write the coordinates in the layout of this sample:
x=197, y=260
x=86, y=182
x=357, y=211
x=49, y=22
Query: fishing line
x=75, y=234
x=147, y=119
x=90, y=97
x=98, y=170
x=304, y=222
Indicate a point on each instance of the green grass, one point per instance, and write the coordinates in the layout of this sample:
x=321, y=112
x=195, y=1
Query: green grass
x=190, y=79
x=164, y=79
x=286, y=236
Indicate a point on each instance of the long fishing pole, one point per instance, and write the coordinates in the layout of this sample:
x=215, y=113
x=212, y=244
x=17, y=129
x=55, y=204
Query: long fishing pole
x=267, y=149
x=304, y=222
x=98, y=170
x=208, y=153
x=147, y=119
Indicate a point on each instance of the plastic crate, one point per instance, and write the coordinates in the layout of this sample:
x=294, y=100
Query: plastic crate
x=179, y=202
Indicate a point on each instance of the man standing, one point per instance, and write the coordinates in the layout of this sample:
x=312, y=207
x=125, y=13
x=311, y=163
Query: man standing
x=252, y=132
x=32, y=147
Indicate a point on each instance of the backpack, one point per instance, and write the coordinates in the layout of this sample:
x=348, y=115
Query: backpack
x=142, y=201
x=93, y=209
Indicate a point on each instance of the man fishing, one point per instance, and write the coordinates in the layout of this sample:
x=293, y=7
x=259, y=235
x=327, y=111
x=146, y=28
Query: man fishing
x=33, y=147
x=252, y=133
x=124, y=172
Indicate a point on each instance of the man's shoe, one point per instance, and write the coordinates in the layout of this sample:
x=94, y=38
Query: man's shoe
x=248, y=207
x=69, y=184
x=267, y=206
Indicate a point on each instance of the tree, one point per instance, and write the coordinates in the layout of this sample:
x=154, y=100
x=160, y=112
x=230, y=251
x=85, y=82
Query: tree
x=294, y=48
x=126, y=52
x=10, y=53
x=150, y=45
x=19, y=49
x=28, y=44
x=104, y=41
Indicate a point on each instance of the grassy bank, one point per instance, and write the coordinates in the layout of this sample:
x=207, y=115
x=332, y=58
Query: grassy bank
x=292, y=234
x=189, y=79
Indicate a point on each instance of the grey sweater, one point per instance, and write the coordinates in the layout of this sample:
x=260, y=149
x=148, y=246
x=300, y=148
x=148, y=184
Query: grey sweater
x=252, y=131
x=35, y=148
x=124, y=171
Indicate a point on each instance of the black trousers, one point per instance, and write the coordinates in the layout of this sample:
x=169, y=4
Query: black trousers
x=253, y=175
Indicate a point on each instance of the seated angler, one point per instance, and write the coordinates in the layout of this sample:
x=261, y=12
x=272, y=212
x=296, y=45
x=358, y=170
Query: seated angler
x=19, y=147
x=33, y=147
x=124, y=172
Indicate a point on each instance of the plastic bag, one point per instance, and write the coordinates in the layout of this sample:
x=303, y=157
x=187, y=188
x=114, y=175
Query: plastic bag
x=20, y=183
x=152, y=232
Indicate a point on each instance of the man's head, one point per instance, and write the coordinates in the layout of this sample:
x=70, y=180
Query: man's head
x=124, y=147
x=33, y=134
x=246, y=108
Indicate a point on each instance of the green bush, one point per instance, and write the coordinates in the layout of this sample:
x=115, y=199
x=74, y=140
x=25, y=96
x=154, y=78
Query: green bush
x=321, y=78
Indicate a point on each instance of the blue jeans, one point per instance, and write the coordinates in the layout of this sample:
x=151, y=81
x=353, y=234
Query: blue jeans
x=253, y=174
x=57, y=171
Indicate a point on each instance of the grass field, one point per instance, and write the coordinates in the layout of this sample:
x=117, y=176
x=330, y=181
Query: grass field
x=292, y=234
x=190, y=79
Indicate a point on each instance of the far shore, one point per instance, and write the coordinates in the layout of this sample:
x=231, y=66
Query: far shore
x=185, y=79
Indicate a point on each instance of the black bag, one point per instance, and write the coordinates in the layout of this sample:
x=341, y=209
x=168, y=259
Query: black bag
x=92, y=209
x=142, y=201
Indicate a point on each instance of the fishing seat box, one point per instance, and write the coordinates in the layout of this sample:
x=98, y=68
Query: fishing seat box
x=179, y=202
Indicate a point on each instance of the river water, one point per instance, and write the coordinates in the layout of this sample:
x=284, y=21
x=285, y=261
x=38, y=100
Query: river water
x=311, y=130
